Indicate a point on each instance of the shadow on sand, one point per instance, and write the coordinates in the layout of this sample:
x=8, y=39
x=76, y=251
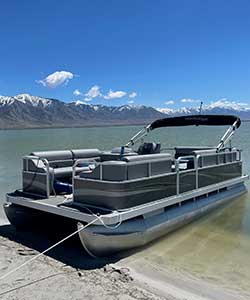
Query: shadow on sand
x=69, y=252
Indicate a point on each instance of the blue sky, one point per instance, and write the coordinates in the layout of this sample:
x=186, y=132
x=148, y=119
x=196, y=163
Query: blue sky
x=113, y=52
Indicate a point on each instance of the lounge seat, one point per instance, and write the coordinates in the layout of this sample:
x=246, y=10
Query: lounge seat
x=131, y=167
x=189, y=150
x=212, y=157
x=60, y=167
x=126, y=183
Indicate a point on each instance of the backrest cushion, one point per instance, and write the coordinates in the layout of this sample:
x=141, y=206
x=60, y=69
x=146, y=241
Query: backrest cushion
x=132, y=167
x=189, y=150
x=159, y=164
x=54, y=155
x=66, y=158
x=85, y=153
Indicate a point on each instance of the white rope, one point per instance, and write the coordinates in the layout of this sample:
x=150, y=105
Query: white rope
x=48, y=249
x=100, y=219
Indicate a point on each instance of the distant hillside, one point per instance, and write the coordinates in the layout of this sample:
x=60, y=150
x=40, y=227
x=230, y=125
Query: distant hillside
x=26, y=111
x=216, y=108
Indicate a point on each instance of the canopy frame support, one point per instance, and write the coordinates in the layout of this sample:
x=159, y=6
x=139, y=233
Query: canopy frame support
x=227, y=136
x=196, y=120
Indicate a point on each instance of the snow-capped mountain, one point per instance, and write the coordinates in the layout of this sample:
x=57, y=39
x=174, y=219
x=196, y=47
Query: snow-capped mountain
x=218, y=107
x=26, y=99
x=26, y=111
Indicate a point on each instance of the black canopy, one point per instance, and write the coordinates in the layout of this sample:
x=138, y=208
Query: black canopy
x=210, y=120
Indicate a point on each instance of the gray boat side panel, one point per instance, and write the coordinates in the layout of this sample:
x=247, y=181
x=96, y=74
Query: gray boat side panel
x=187, y=181
x=125, y=194
x=218, y=174
x=35, y=183
x=101, y=241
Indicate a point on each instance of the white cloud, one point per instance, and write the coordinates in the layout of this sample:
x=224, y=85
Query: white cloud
x=188, y=100
x=93, y=93
x=114, y=95
x=227, y=104
x=132, y=95
x=77, y=93
x=57, y=78
x=170, y=102
x=131, y=101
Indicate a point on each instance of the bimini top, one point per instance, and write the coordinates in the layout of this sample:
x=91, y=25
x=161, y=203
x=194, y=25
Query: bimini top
x=197, y=120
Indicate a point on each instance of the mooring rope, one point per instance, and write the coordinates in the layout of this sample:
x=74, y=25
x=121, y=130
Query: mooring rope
x=48, y=249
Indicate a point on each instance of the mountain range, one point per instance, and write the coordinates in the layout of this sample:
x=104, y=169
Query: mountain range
x=27, y=111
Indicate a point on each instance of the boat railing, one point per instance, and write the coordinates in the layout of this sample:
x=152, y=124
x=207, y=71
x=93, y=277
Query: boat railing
x=47, y=168
x=134, y=163
x=198, y=161
x=179, y=160
x=87, y=161
x=227, y=157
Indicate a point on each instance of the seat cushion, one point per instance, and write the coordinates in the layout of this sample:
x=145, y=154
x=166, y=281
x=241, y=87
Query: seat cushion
x=85, y=153
x=54, y=155
x=189, y=150
x=67, y=154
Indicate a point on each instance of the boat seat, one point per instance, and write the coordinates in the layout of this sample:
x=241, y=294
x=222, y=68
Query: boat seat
x=189, y=150
x=216, y=157
x=131, y=167
x=110, y=169
x=60, y=167
x=66, y=158
x=159, y=164
x=85, y=153
x=61, y=162
x=54, y=155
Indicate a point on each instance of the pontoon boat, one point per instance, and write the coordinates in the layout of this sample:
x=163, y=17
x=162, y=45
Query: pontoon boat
x=138, y=195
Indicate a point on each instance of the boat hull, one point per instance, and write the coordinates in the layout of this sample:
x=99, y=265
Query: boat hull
x=138, y=232
x=28, y=219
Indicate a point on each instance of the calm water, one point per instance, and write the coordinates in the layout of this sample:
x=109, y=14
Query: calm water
x=216, y=247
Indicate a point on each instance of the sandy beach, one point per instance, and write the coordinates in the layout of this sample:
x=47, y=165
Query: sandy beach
x=66, y=272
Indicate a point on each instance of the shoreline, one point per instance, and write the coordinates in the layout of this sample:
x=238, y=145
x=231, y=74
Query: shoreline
x=66, y=273
x=84, y=126
x=181, y=285
x=69, y=272
x=76, y=126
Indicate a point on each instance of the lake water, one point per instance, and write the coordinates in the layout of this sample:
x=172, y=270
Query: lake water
x=216, y=248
